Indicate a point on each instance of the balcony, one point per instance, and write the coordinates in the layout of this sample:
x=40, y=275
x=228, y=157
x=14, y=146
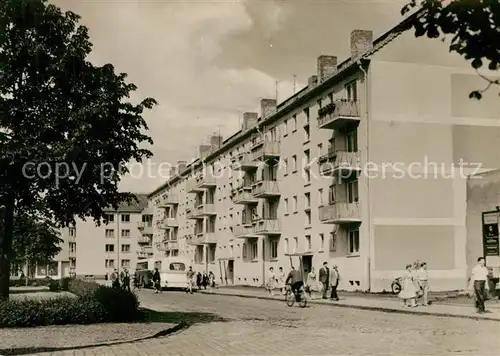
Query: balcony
x=268, y=227
x=244, y=162
x=143, y=239
x=200, y=183
x=244, y=231
x=340, y=213
x=72, y=254
x=203, y=210
x=168, y=201
x=170, y=222
x=203, y=238
x=145, y=252
x=266, y=149
x=243, y=195
x=339, y=114
x=172, y=245
x=341, y=164
x=265, y=189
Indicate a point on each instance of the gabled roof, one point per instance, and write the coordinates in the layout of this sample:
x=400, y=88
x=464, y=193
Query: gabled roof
x=132, y=207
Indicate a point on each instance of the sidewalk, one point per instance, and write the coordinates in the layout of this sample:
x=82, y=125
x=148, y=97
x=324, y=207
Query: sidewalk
x=385, y=305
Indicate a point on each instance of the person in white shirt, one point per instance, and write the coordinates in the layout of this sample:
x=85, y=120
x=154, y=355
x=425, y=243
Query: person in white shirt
x=479, y=281
x=423, y=281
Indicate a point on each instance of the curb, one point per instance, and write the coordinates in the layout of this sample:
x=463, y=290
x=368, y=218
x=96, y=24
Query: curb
x=37, y=350
x=363, y=307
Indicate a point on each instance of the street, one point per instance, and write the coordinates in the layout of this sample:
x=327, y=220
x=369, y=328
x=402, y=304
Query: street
x=239, y=326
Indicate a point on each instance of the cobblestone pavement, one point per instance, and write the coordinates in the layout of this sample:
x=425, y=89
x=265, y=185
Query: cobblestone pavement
x=266, y=327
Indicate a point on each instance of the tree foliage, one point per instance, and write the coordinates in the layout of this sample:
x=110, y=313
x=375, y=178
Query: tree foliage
x=472, y=25
x=68, y=126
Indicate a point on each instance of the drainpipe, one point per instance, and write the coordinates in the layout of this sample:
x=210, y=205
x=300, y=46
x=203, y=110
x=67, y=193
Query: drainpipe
x=263, y=238
x=365, y=74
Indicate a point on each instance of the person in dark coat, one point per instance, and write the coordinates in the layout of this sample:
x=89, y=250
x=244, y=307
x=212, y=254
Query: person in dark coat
x=205, y=281
x=157, y=280
x=199, y=279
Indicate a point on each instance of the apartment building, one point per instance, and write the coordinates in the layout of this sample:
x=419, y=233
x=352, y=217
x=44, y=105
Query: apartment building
x=125, y=241
x=363, y=168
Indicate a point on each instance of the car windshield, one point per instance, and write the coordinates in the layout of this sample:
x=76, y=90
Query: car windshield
x=177, y=266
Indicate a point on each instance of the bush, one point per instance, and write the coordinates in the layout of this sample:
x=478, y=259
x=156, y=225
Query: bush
x=93, y=304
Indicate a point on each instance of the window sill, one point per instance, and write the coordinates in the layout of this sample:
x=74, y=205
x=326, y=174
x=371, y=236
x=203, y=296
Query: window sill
x=294, y=171
x=294, y=130
x=295, y=212
x=353, y=255
x=274, y=259
x=321, y=251
x=287, y=214
x=308, y=184
x=255, y=260
x=306, y=142
x=308, y=227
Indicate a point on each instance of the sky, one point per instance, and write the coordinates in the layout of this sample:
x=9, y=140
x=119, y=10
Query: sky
x=207, y=62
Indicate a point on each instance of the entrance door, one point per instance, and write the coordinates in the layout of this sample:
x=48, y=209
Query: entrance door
x=230, y=272
x=307, y=263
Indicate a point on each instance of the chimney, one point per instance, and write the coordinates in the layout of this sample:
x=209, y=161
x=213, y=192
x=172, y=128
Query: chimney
x=204, y=150
x=181, y=166
x=268, y=107
x=249, y=120
x=361, y=42
x=312, y=82
x=327, y=66
x=216, y=141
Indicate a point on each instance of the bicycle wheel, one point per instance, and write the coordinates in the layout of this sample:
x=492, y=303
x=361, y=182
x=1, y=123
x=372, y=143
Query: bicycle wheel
x=290, y=298
x=303, y=299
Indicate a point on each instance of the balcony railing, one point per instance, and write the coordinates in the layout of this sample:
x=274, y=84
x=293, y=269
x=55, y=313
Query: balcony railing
x=341, y=163
x=268, y=149
x=244, y=231
x=169, y=200
x=244, y=162
x=268, y=227
x=201, y=182
x=170, y=222
x=340, y=213
x=243, y=195
x=339, y=114
x=145, y=252
x=143, y=239
x=205, y=210
x=203, y=238
x=265, y=189
x=72, y=254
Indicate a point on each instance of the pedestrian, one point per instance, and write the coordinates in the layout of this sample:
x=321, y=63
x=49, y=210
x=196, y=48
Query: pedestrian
x=281, y=280
x=115, y=282
x=408, y=290
x=190, y=280
x=324, y=276
x=334, y=280
x=271, y=279
x=423, y=282
x=204, y=280
x=199, y=280
x=480, y=285
x=211, y=280
x=312, y=284
x=126, y=280
x=157, y=281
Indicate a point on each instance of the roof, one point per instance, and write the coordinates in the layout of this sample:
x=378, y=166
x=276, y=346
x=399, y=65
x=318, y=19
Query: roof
x=343, y=69
x=132, y=206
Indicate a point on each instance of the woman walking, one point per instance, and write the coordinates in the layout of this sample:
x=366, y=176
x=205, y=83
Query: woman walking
x=312, y=284
x=281, y=280
x=271, y=281
x=409, y=290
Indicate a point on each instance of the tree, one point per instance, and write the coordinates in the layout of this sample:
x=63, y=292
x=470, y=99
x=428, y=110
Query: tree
x=473, y=25
x=35, y=241
x=68, y=126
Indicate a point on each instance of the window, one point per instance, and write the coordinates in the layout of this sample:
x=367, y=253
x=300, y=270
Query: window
x=295, y=204
x=307, y=176
x=285, y=165
x=352, y=140
x=125, y=233
x=126, y=263
x=353, y=242
x=308, y=243
x=307, y=134
x=308, y=218
x=320, y=196
x=307, y=200
x=306, y=112
x=125, y=218
x=331, y=194
x=110, y=233
x=333, y=241
x=286, y=206
x=351, y=91
x=294, y=123
x=109, y=218
x=294, y=163
x=295, y=244
x=126, y=248
x=109, y=263
x=320, y=149
x=321, y=242
x=286, y=246
x=72, y=247
x=211, y=254
x=110, y=248
x=274, y=249
x=254, y=251
x=307, y=157
x=285, y=128
x=72, y=232
x=177, y=266
x=352, y=192
x=244, y=252
x=330, y=98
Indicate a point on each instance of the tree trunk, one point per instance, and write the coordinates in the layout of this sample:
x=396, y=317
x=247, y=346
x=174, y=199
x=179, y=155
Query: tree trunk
x=6, y=247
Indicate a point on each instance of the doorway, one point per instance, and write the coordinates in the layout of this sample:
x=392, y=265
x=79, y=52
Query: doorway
x=307, y=264
x=230, y=272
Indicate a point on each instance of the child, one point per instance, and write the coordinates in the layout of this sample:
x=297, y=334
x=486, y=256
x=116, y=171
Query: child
x=409, y=291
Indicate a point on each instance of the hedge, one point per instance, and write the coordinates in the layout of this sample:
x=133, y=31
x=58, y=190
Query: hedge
x=92, y=303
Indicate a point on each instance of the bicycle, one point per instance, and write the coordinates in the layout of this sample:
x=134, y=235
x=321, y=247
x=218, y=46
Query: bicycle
x=291, y=297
